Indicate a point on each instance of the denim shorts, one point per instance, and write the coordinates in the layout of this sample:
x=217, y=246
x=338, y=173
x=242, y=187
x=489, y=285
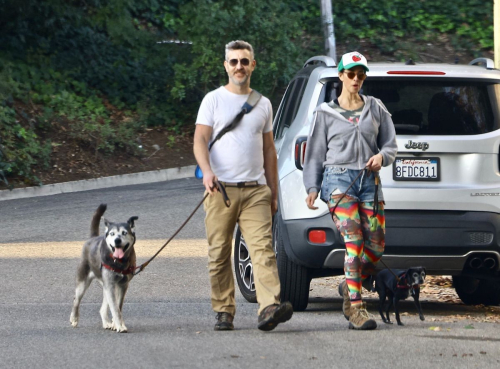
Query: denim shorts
x=340, y=178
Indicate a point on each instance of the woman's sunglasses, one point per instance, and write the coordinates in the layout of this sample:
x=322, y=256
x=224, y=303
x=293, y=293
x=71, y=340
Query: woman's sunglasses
x=350, y=75
x=234, y=62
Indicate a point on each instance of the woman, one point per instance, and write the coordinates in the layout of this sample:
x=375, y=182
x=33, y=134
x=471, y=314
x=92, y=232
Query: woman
x=351, y=139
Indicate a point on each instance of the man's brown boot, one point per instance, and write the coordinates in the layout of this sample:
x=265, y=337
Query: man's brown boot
x=272, y=315
x=346, y=305
x=224, y=322
x=360, y=319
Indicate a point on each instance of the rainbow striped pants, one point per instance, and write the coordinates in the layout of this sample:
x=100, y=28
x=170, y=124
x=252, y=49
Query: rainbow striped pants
x=364, y=238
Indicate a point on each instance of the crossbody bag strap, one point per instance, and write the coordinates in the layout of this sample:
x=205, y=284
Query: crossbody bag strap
x=247, y=107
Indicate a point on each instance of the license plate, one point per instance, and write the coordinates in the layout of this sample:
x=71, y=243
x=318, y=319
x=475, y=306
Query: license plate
x=416, y=169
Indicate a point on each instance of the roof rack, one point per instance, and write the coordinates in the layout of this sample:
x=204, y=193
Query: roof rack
x=320, y=59
x=488, y=63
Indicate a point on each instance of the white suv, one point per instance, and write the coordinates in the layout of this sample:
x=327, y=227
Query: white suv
x=442, y=193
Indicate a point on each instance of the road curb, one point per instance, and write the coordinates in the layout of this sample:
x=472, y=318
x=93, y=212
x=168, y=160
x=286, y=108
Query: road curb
x=98, y=183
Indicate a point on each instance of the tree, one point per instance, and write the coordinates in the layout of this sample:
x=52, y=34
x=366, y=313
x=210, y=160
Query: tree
x=271, y=27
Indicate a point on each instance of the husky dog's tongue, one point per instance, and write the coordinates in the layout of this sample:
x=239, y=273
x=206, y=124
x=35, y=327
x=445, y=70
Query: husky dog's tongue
x=118, y=253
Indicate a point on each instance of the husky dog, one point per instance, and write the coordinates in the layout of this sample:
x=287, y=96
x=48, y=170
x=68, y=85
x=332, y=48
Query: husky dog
x=111, y=260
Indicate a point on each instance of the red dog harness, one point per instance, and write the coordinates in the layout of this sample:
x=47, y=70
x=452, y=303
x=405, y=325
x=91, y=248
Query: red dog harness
x=129, y=270
x=406, y=285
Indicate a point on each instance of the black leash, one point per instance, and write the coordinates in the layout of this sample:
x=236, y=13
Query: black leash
x=375, y=200
x=227, y=202
x=348, y=188
x=390, y=270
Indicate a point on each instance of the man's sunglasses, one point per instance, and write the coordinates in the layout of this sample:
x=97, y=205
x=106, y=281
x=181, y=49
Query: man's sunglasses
x=350, y=75
x=234, y=62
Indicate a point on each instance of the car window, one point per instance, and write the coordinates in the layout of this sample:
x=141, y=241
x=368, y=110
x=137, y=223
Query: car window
x=289, y=106
x=330, y=91
x=278, y=119
x=298, y=93
x=442, y=107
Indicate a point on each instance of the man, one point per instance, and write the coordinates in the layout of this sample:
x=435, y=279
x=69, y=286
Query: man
x=244, y=161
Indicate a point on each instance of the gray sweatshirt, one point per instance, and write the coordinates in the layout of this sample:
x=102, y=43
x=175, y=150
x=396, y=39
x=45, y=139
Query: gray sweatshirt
x=334, y=141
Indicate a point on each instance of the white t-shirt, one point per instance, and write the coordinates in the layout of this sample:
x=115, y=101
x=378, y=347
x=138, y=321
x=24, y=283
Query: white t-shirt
x=238, y=156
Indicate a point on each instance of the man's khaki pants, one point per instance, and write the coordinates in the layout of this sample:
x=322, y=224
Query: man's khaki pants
x=251, y=209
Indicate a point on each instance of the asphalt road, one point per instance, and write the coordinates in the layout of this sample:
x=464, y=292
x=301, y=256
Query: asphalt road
x=167, y=309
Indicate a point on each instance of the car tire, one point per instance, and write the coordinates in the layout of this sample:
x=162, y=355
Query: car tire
x=473, y=291
x=243, y=268
x=295, y=279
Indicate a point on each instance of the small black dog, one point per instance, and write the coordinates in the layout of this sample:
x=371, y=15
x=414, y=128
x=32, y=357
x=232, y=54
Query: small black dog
x=386, y=285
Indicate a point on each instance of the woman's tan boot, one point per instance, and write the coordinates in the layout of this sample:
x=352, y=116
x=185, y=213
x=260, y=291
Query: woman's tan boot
x=359, y=318
x=346, y=304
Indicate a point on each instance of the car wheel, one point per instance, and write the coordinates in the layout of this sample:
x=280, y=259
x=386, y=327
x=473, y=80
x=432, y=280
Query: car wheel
x=294, y=278
x=473, y=291
x=243, y=268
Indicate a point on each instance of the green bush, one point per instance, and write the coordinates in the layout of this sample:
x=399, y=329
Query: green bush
x=468, y=22
x=272, y=28
x=20, y=148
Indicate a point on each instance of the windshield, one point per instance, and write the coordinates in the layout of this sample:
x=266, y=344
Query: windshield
x=438, y=107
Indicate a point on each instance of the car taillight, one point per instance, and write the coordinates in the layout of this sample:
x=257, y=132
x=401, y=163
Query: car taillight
x=300, y=152
x=417, y=72
x=317, y=236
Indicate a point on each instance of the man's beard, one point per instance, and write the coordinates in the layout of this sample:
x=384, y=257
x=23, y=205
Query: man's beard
x=239, y=82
